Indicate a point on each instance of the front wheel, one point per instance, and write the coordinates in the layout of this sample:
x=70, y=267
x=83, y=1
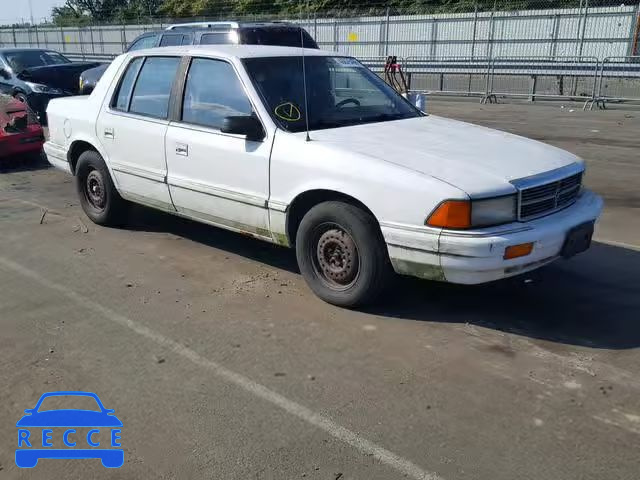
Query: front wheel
x=98, y=196
x=341, y=254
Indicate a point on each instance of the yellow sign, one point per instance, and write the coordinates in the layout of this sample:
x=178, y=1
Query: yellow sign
x=352, y=37
x=67, y=39
x=287, y=112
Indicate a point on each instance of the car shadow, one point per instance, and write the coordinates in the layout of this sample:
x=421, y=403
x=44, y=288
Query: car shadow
x=149, y=220
x=592, y=300
x=24, y=163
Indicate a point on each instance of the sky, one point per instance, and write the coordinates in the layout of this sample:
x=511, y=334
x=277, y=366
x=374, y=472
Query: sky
x=15, y=10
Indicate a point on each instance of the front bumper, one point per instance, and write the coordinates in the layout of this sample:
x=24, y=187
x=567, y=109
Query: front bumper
x=472, y=257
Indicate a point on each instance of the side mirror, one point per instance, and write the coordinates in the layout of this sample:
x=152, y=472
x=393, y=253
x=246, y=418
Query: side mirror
x=244, y=125
x=4, y=73
x=29, y=410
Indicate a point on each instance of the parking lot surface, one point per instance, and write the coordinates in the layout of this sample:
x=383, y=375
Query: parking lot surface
x=222, y=364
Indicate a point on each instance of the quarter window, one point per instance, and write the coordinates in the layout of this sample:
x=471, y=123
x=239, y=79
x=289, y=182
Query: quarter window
x=145, y=42
x=213, y=92
x=153, y=87
x=123, y=97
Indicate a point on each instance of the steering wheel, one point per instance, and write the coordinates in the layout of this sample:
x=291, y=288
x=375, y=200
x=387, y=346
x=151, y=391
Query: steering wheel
x=344, y=102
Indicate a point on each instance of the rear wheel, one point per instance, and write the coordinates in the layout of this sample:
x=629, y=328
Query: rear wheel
x=341, y=254
x=98, y=196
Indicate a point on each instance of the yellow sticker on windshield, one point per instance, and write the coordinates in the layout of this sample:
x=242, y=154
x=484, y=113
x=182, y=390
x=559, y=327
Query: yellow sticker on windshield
x=287, y=112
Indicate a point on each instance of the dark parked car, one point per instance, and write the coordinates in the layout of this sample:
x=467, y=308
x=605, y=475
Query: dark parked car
x=35, y=76
x=209, y=33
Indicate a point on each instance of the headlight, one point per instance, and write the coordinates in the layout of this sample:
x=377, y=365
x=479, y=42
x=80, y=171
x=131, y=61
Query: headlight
x=463, y=214
x=493, y=211
x=39, y=88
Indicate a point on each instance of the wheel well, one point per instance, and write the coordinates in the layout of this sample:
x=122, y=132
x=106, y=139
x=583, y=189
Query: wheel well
x=77, y=148
x=307, y=200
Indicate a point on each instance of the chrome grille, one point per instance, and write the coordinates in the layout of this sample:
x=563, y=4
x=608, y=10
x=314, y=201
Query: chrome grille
x=549, y=197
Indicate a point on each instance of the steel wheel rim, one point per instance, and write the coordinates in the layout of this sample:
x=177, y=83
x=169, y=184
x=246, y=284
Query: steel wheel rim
x=94, y=190
x=335, y=256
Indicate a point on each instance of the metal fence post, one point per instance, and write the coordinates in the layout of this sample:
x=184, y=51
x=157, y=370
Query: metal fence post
x=583, y=26
x=434, y=36
x=13, y=34
x=491, y=26
x=123, y=38
x=475, y=29
x=93, y=45
x=35, y=28
x=554, y=38
x=62, y=40
x=634, y=33
x=386, y=33
x=335, y=34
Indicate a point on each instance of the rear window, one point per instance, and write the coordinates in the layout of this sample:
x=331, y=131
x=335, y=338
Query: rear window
x=279, y=36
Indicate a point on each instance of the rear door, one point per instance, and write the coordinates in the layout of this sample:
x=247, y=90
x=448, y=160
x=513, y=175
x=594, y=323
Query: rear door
x=132, y=127
x=219, y=178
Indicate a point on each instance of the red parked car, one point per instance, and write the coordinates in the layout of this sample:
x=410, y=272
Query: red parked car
x=20, y=133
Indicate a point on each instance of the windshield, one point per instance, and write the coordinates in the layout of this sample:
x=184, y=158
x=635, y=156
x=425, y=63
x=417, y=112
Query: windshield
x=21, y=60
x=340, y=92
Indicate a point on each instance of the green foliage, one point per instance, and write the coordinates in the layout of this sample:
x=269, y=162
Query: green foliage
x=78, y=12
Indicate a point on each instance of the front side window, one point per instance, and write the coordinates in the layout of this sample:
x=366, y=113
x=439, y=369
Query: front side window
x=152, y=90
x=340, y=92
x=145, y=42
x=213, y=92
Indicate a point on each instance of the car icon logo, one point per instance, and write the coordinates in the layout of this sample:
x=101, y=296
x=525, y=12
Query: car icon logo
x=60, y=433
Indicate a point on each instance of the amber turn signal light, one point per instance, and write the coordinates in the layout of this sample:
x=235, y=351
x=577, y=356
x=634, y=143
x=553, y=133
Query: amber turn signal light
x=451, y=214
x=515, y=251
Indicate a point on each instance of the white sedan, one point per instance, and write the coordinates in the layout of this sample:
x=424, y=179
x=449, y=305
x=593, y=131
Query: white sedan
x=339, y=166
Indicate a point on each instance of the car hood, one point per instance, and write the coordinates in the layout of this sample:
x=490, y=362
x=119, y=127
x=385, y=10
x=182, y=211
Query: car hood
x=478, y=160
x=69, y=418
x=64, y=76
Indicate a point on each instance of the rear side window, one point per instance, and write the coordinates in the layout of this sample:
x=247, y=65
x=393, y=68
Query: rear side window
x=221, y=38
x=213, y=92
x=152, y=87
x=145, y=42
x=123, y=97
x=171, y=40
x=278, y=36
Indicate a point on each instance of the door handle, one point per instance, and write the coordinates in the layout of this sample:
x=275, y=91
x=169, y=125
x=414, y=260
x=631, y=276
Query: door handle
x=182, y=149
x=108, y=133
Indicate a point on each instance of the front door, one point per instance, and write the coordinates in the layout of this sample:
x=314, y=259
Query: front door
x=219, y=178
x=132, y=128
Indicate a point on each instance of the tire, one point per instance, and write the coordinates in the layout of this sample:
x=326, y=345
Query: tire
x=21, y=97
x=341, y=254
x=98, y=197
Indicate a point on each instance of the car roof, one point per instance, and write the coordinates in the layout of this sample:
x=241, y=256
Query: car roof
x=27, y=49
x=230, y=25
x=237, y=51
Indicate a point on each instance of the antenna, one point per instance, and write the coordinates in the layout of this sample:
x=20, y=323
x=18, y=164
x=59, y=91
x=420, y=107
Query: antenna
x=304, y=79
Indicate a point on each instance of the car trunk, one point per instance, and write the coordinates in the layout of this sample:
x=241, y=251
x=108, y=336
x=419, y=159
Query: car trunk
x=14, y=117
x=63, y=76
